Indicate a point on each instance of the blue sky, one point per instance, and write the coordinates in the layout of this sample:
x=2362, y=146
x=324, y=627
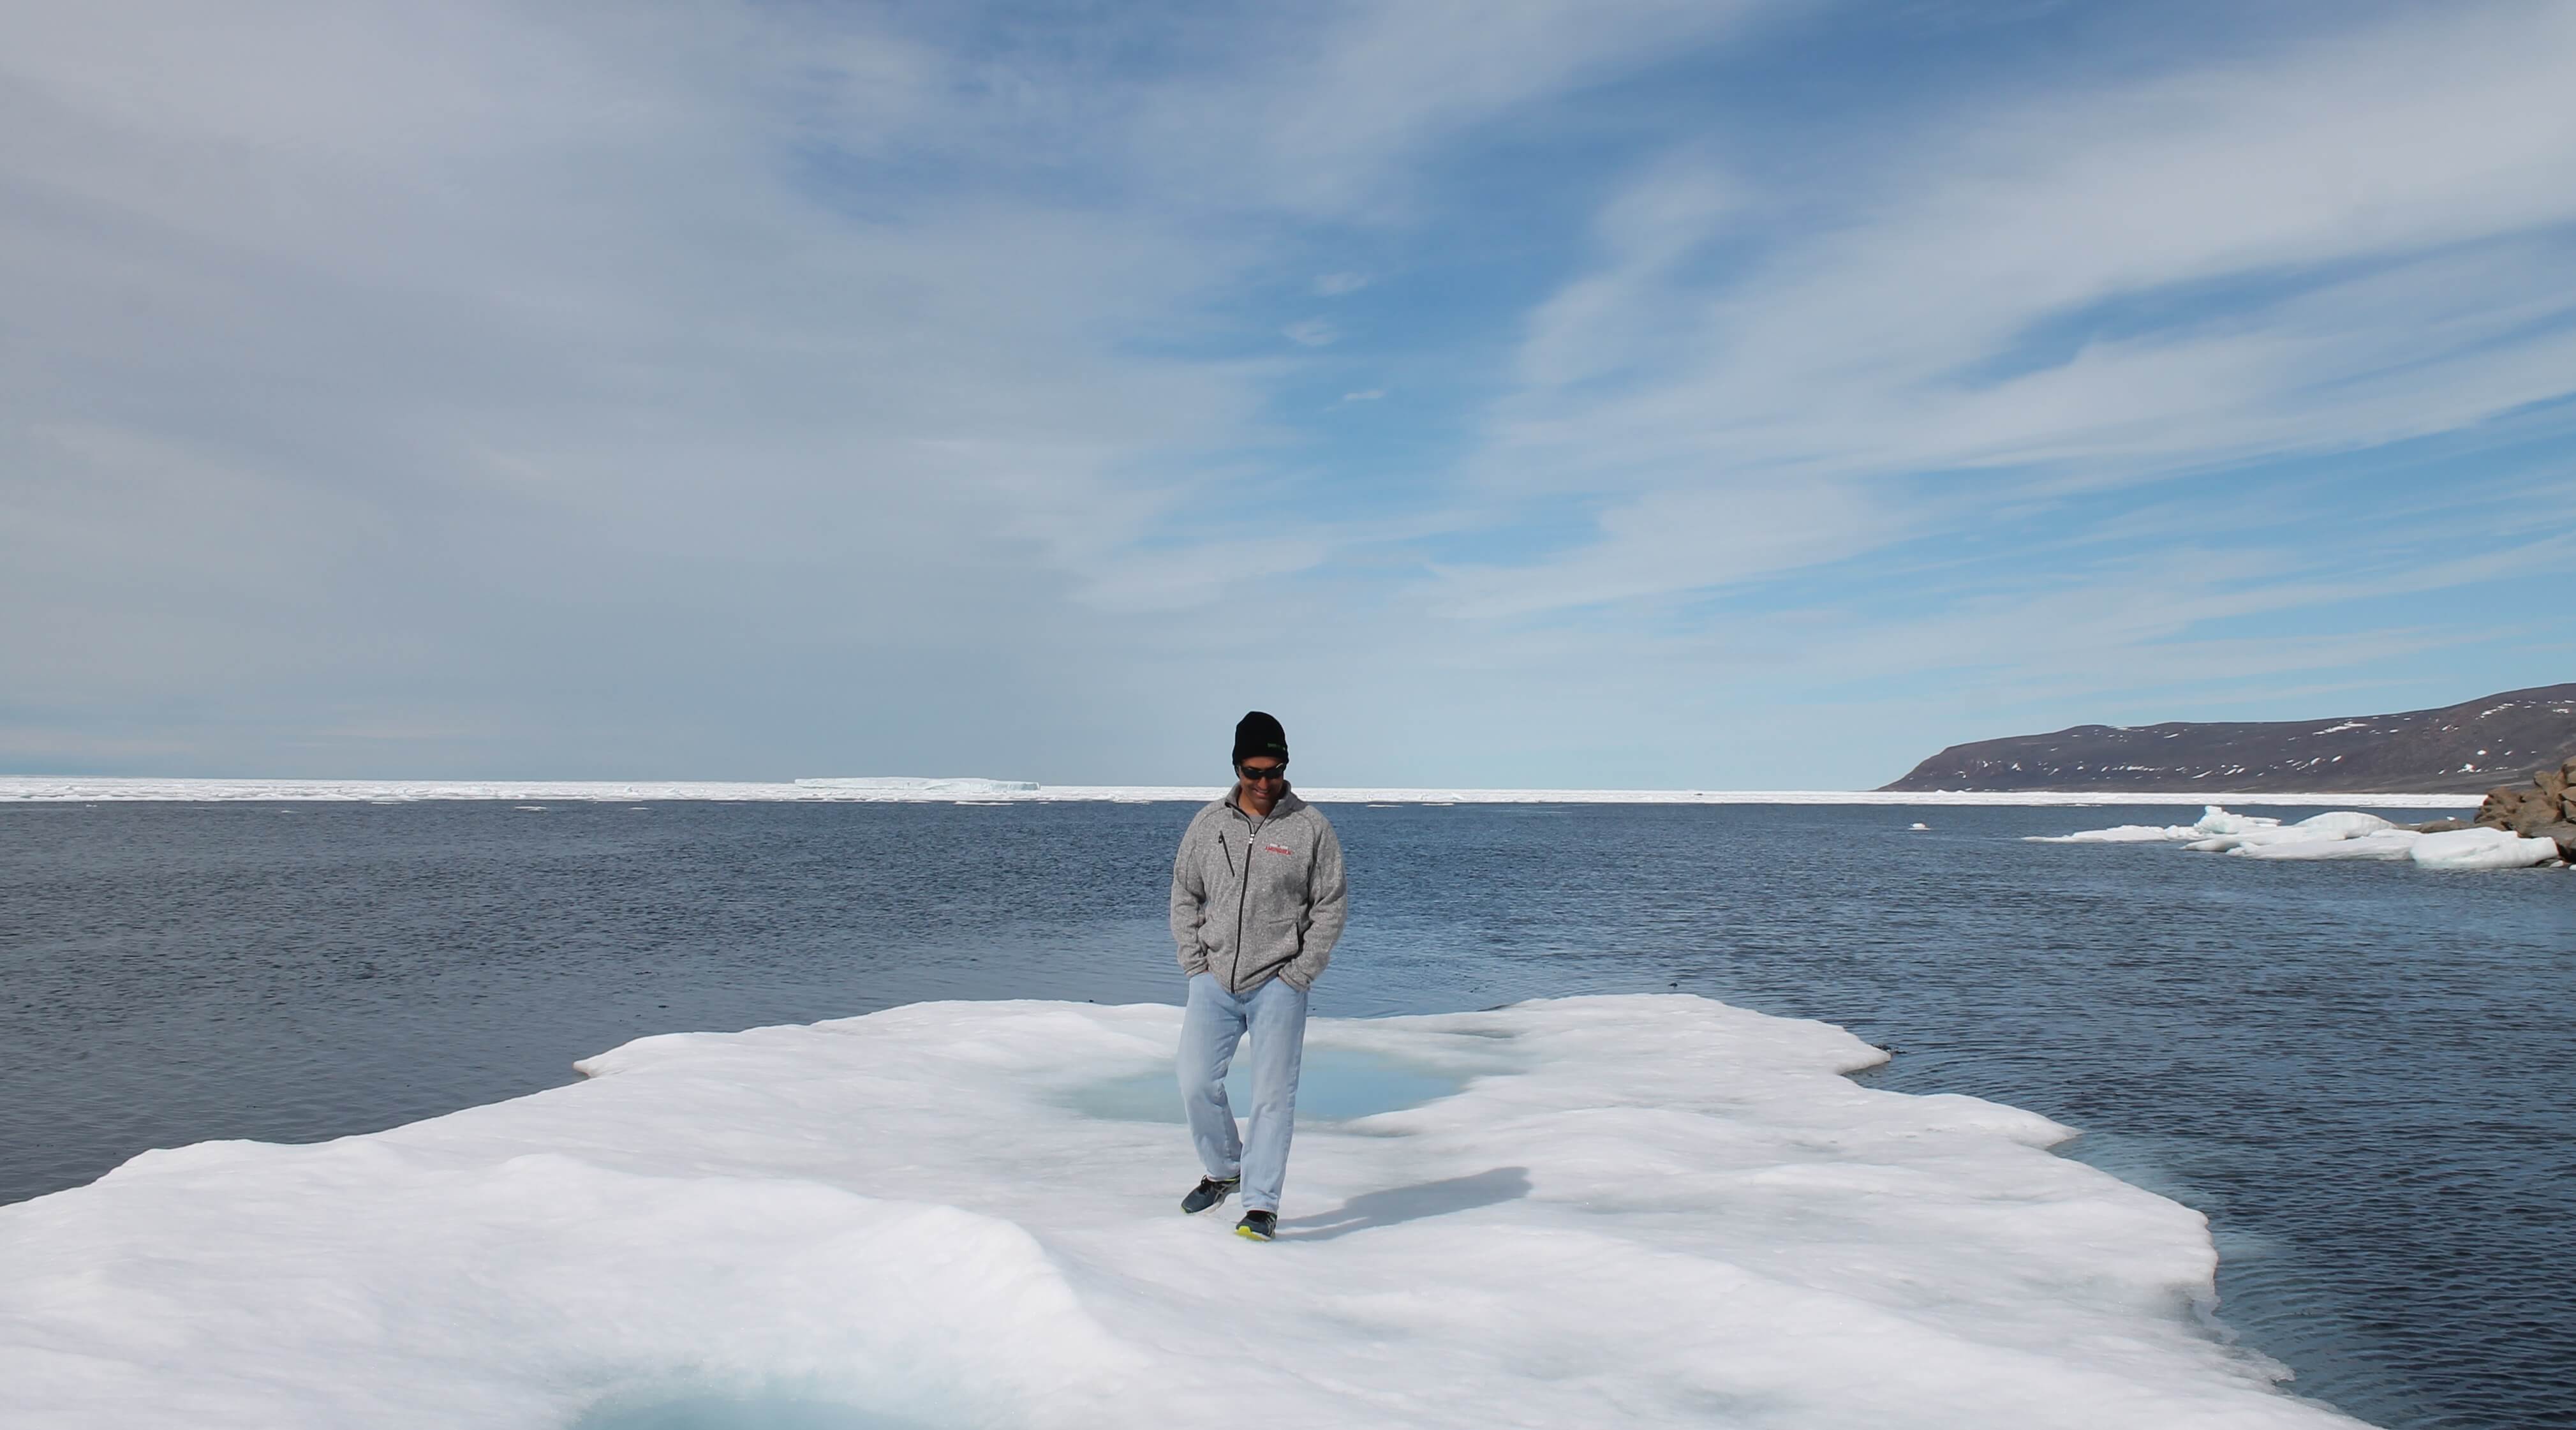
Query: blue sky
x=1753, y=395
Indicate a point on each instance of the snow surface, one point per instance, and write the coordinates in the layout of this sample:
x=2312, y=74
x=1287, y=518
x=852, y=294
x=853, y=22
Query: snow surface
x=2338, y=834
x=1633, y=1211
x=57, y=789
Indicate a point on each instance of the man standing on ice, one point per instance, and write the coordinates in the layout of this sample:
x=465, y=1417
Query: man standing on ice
x=1257, y=902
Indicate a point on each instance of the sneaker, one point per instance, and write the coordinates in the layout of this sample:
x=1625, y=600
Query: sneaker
x=1259, y=1226
x=1209, y=1192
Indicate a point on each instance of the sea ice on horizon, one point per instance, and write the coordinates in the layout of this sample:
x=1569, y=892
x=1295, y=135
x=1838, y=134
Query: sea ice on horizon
x=50, y=789
x=2339, y=834
x=1632, y=1211
x=902, y=787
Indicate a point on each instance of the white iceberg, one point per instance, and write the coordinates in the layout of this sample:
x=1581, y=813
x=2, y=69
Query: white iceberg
x=2119, y=834
x=2345, y=824
x=2257, y=837
x=2482, y=848
x=2390, y=844
x=1610, y=1211
x=2213, y=822
x=2338, y=834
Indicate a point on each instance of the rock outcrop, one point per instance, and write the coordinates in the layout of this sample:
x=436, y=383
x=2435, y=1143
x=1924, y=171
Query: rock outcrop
x=2542, y=809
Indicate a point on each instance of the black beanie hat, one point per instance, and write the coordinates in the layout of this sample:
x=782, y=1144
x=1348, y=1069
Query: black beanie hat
x=1259, y=734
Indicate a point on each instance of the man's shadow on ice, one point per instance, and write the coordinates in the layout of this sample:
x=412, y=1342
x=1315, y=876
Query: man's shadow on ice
x=1402, y=1204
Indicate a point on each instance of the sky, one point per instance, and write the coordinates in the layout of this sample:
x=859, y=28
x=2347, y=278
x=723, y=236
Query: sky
x=1732, y=394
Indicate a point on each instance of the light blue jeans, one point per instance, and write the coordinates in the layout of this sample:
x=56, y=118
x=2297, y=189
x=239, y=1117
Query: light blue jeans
x=1214, y=1022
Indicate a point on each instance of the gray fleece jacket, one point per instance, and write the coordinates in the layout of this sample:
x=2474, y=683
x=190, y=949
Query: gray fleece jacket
x=1254, y=899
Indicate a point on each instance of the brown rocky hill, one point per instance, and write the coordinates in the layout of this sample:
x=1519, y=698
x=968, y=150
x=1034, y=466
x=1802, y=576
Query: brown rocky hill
x=2459, y=749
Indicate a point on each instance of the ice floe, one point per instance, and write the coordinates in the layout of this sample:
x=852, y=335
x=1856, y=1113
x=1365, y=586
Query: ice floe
x=2214, y=822
x=2338, y=834
x=1594, y=1211
x=2481, y=849
x=2387, y=844
x=2121, y=834
x=2231, y=833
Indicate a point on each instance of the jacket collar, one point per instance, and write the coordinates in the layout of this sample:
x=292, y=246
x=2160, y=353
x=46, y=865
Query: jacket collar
x=1288, y=803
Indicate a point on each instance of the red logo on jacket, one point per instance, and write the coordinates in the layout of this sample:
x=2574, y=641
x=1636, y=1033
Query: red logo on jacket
x=1275, y=849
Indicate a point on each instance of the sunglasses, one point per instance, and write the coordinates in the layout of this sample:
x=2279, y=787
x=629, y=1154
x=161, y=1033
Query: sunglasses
x=1278, y=771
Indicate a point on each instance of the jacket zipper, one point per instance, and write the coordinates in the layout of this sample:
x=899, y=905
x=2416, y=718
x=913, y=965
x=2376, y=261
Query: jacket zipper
x=1243, y=892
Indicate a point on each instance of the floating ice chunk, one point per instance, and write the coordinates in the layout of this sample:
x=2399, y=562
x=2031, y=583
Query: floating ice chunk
x=2386, y=844
x=2338, y=834
x=2343, y=824
x=1636, y=1211
x=2214, y=822
x=2221, y=832
x=2482, y=848
x=2261, y=838
x=1918, y=825
x=2119, y=834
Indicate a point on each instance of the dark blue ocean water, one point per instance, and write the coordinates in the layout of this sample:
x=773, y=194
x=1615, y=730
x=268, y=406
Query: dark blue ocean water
x=2361, y=1072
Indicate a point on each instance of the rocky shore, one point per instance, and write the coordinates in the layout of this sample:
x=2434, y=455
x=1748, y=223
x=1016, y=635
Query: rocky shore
x=2542, y=809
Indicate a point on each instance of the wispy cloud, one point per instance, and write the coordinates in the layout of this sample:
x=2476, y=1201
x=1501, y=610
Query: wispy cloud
x=364, y=353
x=2357, y=243
x=744, y=389
x=1323, y=111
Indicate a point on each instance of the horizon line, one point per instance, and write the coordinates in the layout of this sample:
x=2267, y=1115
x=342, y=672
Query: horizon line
x=100, y=789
